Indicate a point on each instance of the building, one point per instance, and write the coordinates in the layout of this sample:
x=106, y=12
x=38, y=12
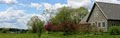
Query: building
x=103, y=15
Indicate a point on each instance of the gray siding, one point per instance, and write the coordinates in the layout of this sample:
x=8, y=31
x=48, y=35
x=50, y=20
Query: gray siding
x=98, y=17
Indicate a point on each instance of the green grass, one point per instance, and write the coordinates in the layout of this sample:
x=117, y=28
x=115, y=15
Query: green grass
x=8, y=35
x=59, y=35
x=56, y=35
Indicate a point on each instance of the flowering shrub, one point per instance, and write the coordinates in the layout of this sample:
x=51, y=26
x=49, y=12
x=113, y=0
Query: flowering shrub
x=68, y=27
x=50, y=27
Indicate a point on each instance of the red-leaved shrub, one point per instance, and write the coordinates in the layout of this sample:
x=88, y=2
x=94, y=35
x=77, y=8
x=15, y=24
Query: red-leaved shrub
x=50, y=27
x=68, y=26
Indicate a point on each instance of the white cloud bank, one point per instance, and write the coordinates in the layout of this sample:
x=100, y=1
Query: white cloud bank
x=10, y=18
x=87, y=3
x=110, y=1
x=70, y=3
x=8, y=1
x=53, y=7
x=14, y=18
x=79, y=3
x=36, y=5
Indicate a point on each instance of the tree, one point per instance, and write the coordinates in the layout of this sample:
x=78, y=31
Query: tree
x=69, y=13
x=62, y=15
x=78, y=14
x=39, y=24
x=32, y=24
x=63, y=18
x=68, y=27
x=36, y=24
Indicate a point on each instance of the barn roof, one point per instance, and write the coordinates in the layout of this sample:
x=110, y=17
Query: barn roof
x=111, y=11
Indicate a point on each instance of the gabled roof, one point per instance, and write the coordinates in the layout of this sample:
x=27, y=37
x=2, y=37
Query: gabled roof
x=111, y=11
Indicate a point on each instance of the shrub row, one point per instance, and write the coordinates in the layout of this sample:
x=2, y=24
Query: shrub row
x=114, y=30
x=12, y=30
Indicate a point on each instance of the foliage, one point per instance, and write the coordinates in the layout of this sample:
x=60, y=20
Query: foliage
x=69, y=13
x=4, y=30
x=48, y=26
x=29, y=31
x=114, y=30
x=78, y=14
x=61, y=16
x=31, y=24
x=67, y=19
x=68, y=27
x=37, y=25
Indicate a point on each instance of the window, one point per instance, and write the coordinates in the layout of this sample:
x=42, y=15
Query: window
x=99, y=24
x=113, y=24
x=103, y=24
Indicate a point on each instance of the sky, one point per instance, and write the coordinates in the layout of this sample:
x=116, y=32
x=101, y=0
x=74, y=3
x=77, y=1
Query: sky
x=16, y=13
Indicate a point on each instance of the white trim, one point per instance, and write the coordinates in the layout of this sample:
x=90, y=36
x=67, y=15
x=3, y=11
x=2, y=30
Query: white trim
x=101, y=24
x=101, y=10
x=104, y=24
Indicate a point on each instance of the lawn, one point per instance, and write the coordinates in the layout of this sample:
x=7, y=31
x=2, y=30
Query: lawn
x=9, y=35
x=56, y=35
x=59, y=35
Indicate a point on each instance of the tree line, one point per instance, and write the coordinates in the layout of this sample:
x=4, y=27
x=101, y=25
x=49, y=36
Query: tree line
x=64, y=20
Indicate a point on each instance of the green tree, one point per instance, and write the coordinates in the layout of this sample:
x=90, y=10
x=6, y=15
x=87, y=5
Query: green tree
x=66, y=13
x=78, y=14
x=39, y=24
x=62, y=15
x=36, y=24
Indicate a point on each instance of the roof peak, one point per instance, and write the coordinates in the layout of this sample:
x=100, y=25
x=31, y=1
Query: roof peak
x=107, y=3
x=111, y=10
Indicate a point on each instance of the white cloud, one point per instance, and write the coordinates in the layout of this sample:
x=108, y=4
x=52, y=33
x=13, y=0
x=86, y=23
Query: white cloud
x=53, y=7
x=36, y=5
x=79, y=3
x=9, y=18
x=58, y=5
x=8, y=1
x=110, y=1
x=87, y=3
x=24, y=5
x=14, y=18
x=47, y=5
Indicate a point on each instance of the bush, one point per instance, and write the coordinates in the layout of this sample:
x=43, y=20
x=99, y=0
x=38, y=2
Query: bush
x=68, y=27
x=50, y=27
x=5, y=30
x=29, y=31
x=114, y=30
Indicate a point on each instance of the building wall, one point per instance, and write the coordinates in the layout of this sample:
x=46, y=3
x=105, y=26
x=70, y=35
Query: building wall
x=113, y=23
x=97, y=18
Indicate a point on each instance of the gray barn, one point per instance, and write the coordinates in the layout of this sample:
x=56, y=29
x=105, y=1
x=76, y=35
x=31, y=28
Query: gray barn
x=104, y=15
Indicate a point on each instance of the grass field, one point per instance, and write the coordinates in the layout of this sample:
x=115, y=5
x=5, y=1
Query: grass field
x=8, y=35
x=56, y=35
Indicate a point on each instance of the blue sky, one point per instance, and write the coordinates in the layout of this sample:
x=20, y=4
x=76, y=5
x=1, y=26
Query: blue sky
x=16, y=13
